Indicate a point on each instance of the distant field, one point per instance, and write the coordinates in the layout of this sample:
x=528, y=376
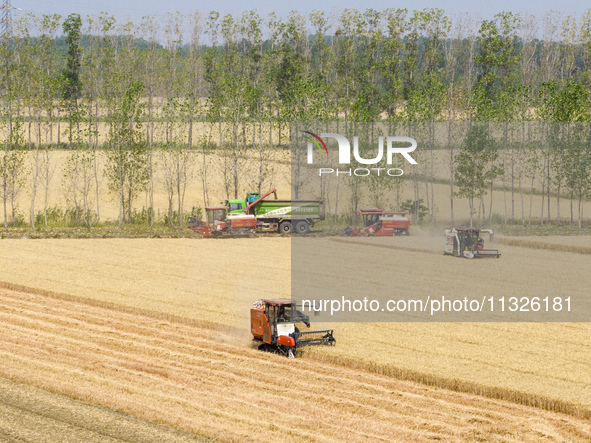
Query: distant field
x=210, y=166
x=202, y=132
x=216, y=281
x=277, y=174
x=579, y=244
x=580, y=240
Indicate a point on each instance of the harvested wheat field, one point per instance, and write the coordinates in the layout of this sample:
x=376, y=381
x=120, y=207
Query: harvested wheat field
x=209, y=280
x=206, y=379
x=30, y=414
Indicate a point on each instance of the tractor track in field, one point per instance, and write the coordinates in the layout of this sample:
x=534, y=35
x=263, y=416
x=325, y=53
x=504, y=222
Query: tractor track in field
x=386, y=246
x=211, y=382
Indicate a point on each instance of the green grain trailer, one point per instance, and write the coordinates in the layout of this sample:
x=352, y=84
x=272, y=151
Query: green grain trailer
x=284, y=216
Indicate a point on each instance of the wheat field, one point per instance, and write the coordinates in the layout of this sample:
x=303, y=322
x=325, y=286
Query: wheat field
x=207, y=380
x=205, y=185
x=31, y=414
x=216, y=282
x=578, y=244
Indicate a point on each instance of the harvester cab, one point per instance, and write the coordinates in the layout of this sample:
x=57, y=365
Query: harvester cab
x=274, y=323
x=216, y=214
x=370, y=218
x=468, y=243
x=379, y=222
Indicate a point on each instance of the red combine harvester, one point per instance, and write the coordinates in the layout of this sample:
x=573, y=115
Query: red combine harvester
x=222, y=224
x=379, y=222
x=273, y=324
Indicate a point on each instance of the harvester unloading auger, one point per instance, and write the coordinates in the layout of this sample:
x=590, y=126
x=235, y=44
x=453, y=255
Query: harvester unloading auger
x=467, y=243
x=273, y=324
x=257, y=213
x=222, y=222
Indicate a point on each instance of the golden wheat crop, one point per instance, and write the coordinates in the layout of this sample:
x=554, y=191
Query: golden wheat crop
x=548, y=359
x=216, y=281
x=204, y=172
x=211, y=382
x=277, y=175
x=578, y=244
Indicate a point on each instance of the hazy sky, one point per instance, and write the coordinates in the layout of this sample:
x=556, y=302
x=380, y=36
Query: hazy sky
x=135, y=9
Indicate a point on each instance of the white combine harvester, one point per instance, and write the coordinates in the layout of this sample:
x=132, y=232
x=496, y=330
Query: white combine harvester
x=467, y=243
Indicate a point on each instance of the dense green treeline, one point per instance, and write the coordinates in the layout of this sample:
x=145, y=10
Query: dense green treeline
x=128, y=88
x=357, y=65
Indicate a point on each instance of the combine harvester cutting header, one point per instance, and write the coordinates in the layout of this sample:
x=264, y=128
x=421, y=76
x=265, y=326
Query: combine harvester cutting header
x=379, y=222
x=255, y=213
x=467, y=243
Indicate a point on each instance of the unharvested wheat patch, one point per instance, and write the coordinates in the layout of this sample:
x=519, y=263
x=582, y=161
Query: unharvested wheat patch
x=575, y=244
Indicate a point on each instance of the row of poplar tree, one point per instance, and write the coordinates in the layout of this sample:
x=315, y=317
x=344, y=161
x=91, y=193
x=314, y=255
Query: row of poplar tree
x=126, y=89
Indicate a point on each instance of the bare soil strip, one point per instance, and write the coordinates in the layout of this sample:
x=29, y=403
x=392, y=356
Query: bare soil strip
x=365, y=242
x=213, y=383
